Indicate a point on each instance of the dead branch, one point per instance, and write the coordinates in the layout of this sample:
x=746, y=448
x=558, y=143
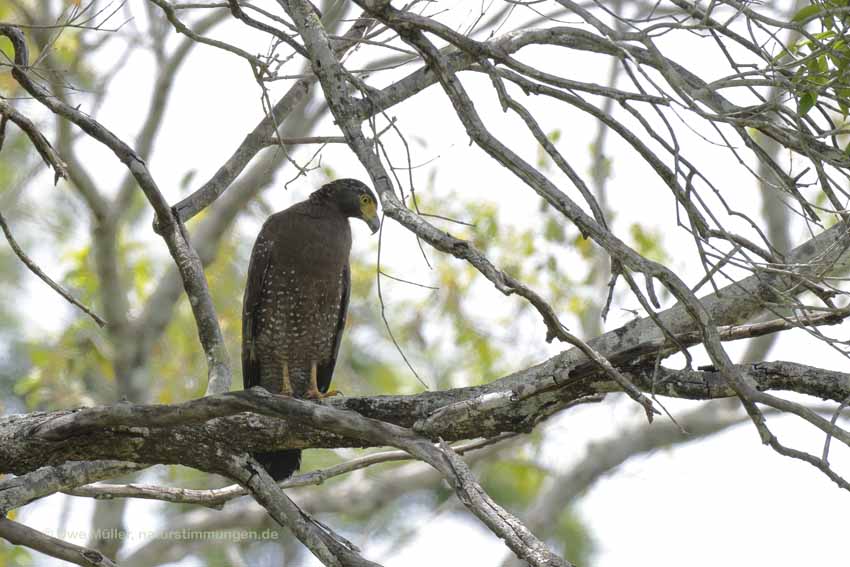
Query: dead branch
x=19, y=534
x=191, y=270
x=33, y=267
x=41, y=144
x=216, y=497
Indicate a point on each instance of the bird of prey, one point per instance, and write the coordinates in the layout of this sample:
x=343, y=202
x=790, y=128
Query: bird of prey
x=296, y=299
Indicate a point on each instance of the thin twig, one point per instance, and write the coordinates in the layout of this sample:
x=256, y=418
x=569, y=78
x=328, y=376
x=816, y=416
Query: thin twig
x=33, y=267
x=217, y=497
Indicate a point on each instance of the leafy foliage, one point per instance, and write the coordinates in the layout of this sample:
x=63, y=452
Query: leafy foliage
x=819, y=62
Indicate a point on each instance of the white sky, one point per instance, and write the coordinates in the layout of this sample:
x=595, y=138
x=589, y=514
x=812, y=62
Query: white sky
x=727, y=500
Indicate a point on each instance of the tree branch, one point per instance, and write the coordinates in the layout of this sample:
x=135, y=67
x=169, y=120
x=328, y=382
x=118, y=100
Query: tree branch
x=191, y=270
x=353, y=496
x=171, y=14
x=19, y=534
x=33, y=267
x=331, y=549
x=45, y=149
x=17, y=491
x=216, y=497
x=265, y=129
x=185, y=433
x=190, y=432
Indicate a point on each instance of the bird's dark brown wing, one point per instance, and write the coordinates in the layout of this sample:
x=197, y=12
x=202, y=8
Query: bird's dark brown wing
x=325, y=371
x=258, y=270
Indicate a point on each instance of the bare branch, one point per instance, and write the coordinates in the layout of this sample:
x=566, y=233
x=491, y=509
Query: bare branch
x=171, y=14
x=217, y=497
x=331, y=549
x=126, y=430
x=33, y=267
x=172, y=230
x=255, y=140
x=19, y=534
x=17, y=491
x=45, y=149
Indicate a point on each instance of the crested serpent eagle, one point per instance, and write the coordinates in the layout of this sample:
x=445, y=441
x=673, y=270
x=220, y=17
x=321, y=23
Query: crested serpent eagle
x=296, y=299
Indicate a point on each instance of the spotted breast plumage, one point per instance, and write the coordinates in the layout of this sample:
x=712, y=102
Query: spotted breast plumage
x=296, y=299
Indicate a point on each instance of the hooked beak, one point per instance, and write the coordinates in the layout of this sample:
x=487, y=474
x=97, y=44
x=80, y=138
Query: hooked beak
x=374, y=222
x=369, y=214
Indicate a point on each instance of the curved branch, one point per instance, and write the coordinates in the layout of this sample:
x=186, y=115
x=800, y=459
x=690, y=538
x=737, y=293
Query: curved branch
x=20, y=534
x=185, y=433
x=191, y=432
x=171, y=14
x=216, y=497
x=328, y=547
x=262, y=132
x=18, y=491
x=33, y=267
x=44, y=148
x=191, y=269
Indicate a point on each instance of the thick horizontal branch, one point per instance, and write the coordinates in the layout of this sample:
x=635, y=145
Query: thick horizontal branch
x=186, y=433
x=779, y=375
x=739, y=302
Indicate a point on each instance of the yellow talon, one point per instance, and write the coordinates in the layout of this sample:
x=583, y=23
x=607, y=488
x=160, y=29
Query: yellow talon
x=313, y=392
x=317, y=395
x=286, y=387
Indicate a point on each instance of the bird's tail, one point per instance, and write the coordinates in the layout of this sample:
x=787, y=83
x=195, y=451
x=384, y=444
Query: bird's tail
x=280, y=464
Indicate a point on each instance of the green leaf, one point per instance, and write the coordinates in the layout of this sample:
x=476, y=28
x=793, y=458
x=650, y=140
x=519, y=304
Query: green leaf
x=512, y=483
x=806, y=13
x=553, y=231
x=806, y=102
x=824, y=35
x=783, y=54
x=648, y=242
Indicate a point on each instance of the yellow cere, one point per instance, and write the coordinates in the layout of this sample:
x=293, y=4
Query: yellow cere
x=367, y=207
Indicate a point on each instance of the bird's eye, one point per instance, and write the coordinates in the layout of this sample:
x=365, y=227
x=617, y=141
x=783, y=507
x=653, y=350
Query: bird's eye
x=364, y=199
